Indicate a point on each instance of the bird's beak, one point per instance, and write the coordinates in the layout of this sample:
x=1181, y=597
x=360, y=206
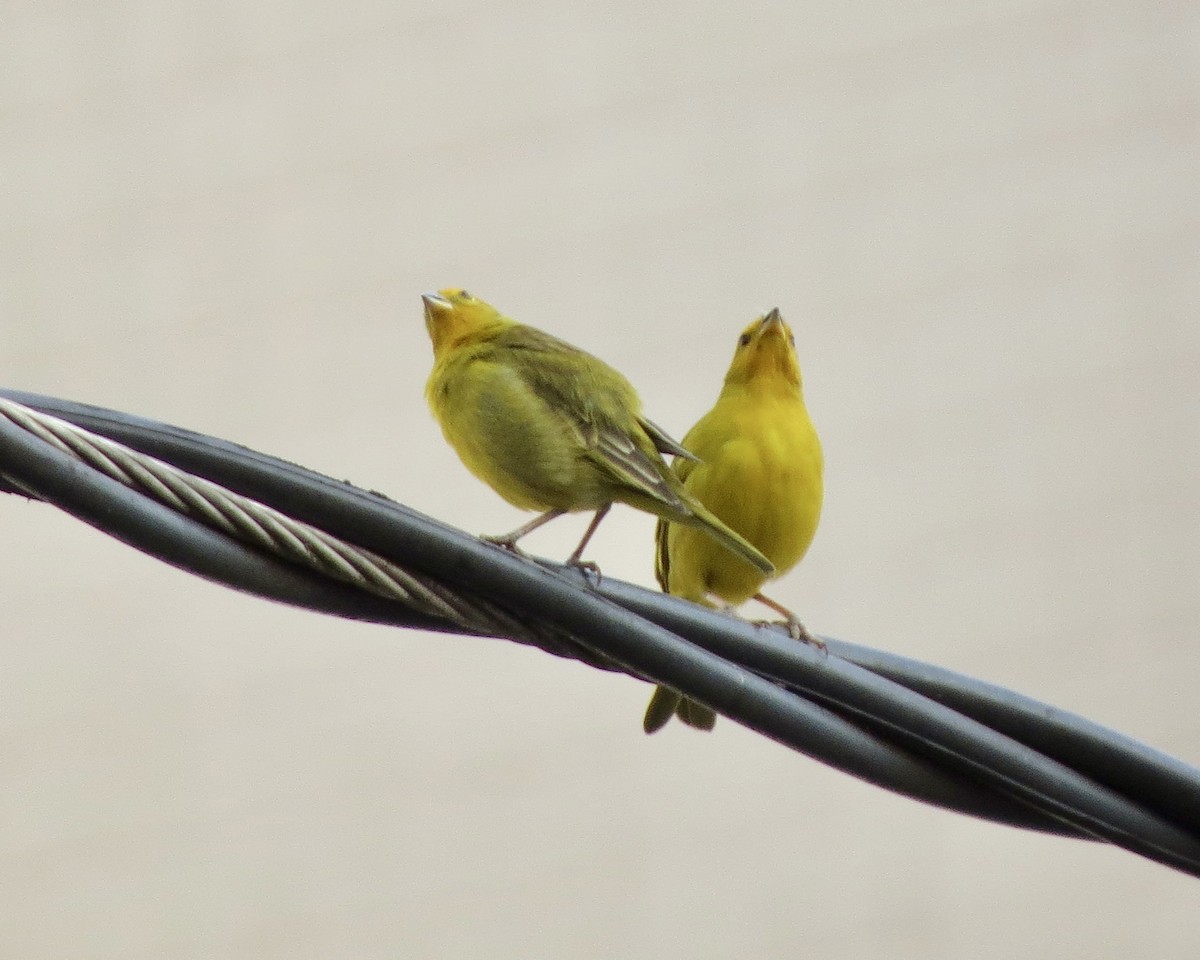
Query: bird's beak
x=774, y=327
x=435, y=302
x=773, y=324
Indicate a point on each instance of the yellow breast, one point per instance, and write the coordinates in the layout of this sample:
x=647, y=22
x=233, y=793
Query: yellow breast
x=761, y=474
x=505, y=436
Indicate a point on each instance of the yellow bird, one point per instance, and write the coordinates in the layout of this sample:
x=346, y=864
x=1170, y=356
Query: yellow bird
x=551, y=428
x=757, y=464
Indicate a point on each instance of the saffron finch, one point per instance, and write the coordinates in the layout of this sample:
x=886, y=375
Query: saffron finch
x=551, y=428
x=756, y=464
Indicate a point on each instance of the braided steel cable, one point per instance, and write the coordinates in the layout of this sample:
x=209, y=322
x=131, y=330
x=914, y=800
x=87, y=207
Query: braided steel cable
x=276, y=529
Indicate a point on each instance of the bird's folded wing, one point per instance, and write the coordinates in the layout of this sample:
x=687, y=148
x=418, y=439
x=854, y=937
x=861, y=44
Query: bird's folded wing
x=664, y=441
x=598, y=405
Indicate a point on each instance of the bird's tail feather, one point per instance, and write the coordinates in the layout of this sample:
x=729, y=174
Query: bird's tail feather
x=701, y=518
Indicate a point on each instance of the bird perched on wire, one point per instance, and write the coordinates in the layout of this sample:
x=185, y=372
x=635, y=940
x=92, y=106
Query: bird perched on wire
x=757, y=464
x=551, y=428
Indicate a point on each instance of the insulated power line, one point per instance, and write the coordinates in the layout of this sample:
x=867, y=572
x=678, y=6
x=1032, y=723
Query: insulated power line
x=272, y=528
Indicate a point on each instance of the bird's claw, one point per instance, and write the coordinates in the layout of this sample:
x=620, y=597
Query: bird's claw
x=797, y=631
x=587, y=566
x=504, y=543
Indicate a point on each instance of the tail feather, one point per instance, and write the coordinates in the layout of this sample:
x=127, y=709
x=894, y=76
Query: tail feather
x=660, y=709
x=667, y=703
x=702, y=519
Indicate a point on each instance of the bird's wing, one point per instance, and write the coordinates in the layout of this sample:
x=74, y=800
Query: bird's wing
x=662, y=557
x=682, y=468
x=664, y=441
x=596, y=403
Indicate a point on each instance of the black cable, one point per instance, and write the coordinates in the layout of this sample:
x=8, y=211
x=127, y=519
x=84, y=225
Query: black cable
x=875, y=718
x=33, y=468
x=386, y=526
x=1169, y=786
x=1090, y=770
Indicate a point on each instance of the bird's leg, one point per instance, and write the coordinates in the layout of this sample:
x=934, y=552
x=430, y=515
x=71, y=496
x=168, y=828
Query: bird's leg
x=795, y=628
x=573, y=559
x=509, y=540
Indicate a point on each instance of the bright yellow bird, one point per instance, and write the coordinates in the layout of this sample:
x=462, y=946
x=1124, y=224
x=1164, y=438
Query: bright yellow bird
x=551, y=428
x=758, y=466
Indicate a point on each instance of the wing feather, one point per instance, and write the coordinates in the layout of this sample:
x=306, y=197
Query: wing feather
x=596, y=408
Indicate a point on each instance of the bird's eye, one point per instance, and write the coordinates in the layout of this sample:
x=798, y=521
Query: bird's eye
x=792, y=339
x=744, y=340
x=463, y=295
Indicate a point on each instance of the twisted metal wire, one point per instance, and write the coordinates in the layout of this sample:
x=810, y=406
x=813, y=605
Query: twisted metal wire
x=265, y=528
x=924, y=732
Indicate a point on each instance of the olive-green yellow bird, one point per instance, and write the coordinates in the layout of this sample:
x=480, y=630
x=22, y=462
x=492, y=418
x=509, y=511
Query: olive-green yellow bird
x=552, y=428
x=756, y=464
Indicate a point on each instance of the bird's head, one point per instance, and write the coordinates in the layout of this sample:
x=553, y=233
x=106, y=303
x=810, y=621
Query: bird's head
x=453, y=317
x=766, y=351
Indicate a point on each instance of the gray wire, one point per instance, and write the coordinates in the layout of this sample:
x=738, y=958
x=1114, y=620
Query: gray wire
x=858, y=721
x=261, y=526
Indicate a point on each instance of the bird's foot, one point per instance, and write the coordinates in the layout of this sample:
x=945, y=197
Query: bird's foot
x=797, y=631
x=506, y=542
x=587, y=566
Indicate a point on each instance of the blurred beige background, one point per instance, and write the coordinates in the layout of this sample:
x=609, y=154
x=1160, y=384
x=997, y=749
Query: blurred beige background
x=983, y=222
